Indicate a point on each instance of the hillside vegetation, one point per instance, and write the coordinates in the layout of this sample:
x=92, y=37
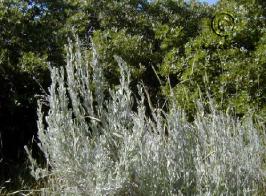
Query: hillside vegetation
x=197, y=85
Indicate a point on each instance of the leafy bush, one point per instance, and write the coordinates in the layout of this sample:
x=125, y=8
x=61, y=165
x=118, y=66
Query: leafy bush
x=231, y=68
x=97, y=145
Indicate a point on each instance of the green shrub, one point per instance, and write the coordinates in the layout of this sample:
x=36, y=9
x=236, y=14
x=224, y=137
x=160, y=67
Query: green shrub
x=229, y=67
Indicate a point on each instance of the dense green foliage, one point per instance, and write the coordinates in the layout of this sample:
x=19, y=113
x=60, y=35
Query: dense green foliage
x=164, y=42
x=230, y=68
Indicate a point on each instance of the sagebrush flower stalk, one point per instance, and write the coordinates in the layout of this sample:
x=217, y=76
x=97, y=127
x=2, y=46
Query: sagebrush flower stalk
x=97, y=145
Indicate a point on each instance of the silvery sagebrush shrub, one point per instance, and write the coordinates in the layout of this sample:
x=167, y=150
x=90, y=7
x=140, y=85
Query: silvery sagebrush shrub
x=97, y=145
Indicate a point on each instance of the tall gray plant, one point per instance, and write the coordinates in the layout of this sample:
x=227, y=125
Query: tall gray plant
x=97, y=145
